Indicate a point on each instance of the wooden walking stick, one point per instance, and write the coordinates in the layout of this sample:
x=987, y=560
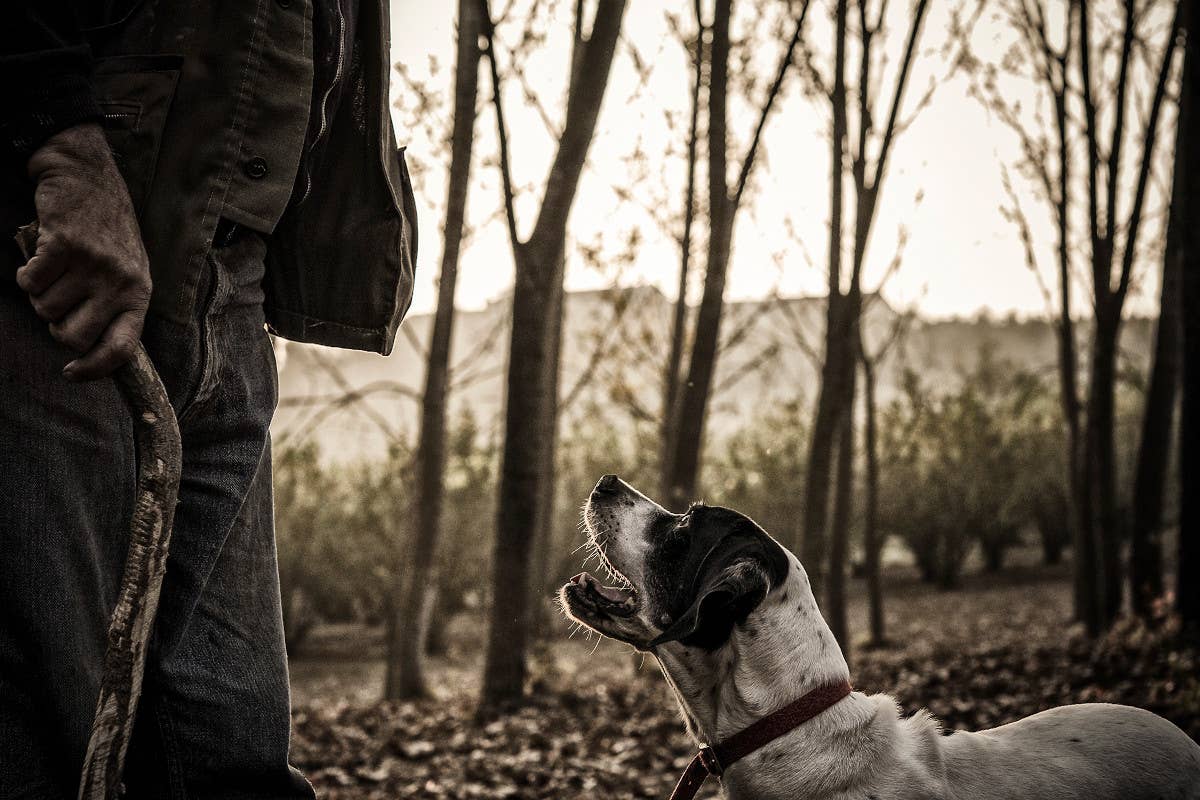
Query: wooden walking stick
x=159, y=460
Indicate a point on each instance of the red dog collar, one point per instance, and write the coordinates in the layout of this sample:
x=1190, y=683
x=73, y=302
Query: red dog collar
x=714, y=760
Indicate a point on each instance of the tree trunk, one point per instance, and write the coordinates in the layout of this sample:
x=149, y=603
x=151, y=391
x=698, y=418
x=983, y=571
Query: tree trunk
x=1068, y=370
x=1100, y=519
x=993, y=557
x=544, y=532
x=835, y=598
x=829, y=410
x=1100, y=509
x=436, y=641
x=670, y=417
x=522, y=478
x=1187, y=580
x=1082, y=559
x=529, y=423
x=1158, y=420
x=405, y=675
x=683, y=465
x=1050, y=515
x=683, y=461
x=871, y=543
x=819, y=470
x=1051, y=553
x=927, y=565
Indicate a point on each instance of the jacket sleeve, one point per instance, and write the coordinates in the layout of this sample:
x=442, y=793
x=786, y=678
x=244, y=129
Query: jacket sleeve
x=45, y=73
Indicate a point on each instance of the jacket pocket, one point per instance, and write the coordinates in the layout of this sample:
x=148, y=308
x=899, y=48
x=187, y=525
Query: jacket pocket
x=134, y=94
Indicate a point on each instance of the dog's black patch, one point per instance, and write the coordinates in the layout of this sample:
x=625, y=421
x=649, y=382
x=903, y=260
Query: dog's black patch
x=709, y=568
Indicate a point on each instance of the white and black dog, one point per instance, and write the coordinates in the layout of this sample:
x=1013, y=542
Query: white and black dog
x=730, y=616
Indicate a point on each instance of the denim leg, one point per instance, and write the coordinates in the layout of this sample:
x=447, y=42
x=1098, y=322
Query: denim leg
x=66, y=493
x=220, y=710
x=218, y=670
x=214, y=717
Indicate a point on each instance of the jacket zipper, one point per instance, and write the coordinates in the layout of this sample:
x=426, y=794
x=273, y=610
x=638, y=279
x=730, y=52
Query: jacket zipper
x=337, y=78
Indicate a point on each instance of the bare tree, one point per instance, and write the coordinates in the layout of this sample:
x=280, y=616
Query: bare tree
x=1047, y=163
x=1158, y=416
x=1107, y=235
x=872, y=543
x=679, y=319
x=836, y=395
x=543, y=530
x=526, y=465
x=1187, y=583
x=683, y=459
x=416, y=585
x=835, y=599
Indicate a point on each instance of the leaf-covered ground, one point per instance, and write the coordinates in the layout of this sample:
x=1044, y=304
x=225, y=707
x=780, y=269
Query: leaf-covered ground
x=600, y=721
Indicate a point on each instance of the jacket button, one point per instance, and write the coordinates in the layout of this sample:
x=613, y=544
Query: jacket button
x=255, y=168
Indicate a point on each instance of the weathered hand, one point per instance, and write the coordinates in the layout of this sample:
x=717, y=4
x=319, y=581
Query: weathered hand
x=89, y=277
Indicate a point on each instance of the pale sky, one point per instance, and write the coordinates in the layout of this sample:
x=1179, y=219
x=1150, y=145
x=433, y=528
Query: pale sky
x=962, y=256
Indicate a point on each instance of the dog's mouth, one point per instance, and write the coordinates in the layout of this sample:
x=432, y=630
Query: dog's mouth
x=585, y=596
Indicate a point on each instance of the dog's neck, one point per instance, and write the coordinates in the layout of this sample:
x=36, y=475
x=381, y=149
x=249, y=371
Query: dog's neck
x=783, y=650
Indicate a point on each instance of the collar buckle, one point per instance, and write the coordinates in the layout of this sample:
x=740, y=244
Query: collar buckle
x=708, y=758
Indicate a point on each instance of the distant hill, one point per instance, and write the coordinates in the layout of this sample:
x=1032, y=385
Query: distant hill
x=614, y=347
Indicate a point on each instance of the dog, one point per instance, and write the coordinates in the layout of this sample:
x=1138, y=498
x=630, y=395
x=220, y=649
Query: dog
x=730, y=616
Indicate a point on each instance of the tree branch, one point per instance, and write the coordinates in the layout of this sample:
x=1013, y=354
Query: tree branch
x=772, y=94
x=351, y=396
x=1091, y=134
x=489, y=33
x=905, y=67
x=1118, y=131
x=1151, y=137
x=583, y=108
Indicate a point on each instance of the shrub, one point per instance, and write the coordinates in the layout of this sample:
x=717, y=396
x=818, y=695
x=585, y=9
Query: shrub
x=976, y=464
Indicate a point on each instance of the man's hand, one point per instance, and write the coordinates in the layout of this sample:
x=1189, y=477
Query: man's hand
x=90, y=277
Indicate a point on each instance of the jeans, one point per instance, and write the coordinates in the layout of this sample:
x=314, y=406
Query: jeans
x=214, y=715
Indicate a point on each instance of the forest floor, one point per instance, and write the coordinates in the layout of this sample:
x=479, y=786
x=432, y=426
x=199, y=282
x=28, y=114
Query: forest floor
x=600, y=721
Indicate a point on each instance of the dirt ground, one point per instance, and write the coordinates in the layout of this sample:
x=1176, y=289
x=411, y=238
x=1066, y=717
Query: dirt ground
x=601, y=722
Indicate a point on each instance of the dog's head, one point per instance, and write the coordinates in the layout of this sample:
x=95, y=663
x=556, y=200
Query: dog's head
x=687, y=578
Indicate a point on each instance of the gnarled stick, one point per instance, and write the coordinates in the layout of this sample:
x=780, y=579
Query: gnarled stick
x=159, y=460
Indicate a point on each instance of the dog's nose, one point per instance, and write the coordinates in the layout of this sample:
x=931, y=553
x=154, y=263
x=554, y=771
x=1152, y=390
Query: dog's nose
x=607, y=485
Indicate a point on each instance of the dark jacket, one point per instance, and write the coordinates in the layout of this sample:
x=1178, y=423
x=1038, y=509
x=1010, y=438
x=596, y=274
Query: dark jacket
x=207, y=105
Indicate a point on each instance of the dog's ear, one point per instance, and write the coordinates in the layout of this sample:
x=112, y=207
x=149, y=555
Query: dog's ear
x=726, y=596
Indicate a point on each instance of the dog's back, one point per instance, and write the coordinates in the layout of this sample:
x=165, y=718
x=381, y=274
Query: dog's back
x=1089, y=751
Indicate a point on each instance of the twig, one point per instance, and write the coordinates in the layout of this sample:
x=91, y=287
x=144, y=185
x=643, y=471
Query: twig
x=489, y=33
x=772, y=94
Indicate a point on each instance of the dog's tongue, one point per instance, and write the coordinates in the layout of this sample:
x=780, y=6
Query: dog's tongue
x=610, y=593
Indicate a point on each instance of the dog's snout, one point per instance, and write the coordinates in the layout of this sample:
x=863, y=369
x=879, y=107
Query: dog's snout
x=607, y=485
